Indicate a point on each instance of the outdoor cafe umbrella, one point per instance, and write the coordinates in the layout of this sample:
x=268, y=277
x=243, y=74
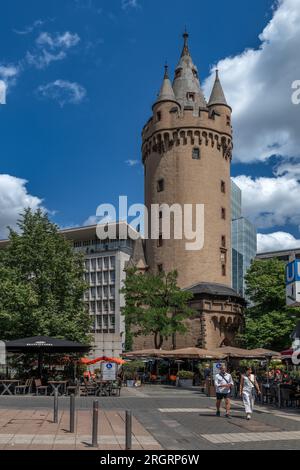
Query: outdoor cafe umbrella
x=44, y=344
x=194, y=353
x=263, y=353
x=146, y=353
x=88, y=361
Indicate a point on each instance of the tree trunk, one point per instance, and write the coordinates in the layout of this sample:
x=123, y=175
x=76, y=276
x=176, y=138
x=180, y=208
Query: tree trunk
x=158, y=340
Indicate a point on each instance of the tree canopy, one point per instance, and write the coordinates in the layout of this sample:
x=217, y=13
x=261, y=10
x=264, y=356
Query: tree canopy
x=41, y=283
x=155, y=306
x=268, y=322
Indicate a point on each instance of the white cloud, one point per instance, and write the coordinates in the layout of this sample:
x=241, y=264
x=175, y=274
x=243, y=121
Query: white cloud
x=132, y=162
x=129, y=4
x=2, y=92
x=14, y=198
x=65, y=40
x=94, y=220
x=276, y=241
x=270, y=202
x=44, y=58
x=51, y=48
x=63, y=92
x=8, y=74
x=258, y=86
x=30, y=28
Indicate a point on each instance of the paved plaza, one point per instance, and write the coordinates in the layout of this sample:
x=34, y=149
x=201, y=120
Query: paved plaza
x=163, y=418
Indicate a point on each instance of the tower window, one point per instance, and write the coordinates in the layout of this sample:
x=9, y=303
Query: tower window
x=228, y=120
x=160, y=185
x=191, y=96
x=223, y=270
x=160, y=241
x=223, y=256
x=160, y=268
x=223, y=187
x=196, y=153
x=223, y=241
x=158, y=115
x=223, y=213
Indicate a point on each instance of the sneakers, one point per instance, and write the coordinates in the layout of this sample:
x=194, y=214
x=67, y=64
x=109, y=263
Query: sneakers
x=248, y=417
x=228, y=416
x=218, y=413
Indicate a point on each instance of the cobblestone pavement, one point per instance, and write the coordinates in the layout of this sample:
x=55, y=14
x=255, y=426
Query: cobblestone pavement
x=178, y=419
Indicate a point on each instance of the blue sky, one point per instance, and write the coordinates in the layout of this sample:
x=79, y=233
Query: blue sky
x=87, y=72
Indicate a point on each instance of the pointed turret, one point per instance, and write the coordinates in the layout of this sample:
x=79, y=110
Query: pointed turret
x=186, y=83
x=166, y=92
x=217, y=96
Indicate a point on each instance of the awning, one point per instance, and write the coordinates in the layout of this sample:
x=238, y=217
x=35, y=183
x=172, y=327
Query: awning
x=88, y=361
x=45, y=344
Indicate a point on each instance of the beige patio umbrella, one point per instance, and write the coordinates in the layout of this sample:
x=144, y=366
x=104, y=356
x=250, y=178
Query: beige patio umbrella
x=146, y=353
x=262, y=353
x=239, y=353
x=194, y=353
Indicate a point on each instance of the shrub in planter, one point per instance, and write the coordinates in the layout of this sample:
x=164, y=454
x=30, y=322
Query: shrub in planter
x=185, y=378
x=185, y=375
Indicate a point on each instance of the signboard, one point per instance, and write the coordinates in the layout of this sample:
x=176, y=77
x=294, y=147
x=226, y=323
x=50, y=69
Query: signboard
x=216, y=368
x=292, y=280
x=108, y=371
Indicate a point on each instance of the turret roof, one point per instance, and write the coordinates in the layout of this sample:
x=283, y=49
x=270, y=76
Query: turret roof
x=217, y=95
x=166, y=92
x=186, y=83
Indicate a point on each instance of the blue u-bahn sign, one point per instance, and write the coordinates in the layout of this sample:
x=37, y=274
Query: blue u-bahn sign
x=292, y=272
x=292, y=280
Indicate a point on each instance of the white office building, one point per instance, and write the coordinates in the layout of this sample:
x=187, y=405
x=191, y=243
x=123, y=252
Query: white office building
x=105, y=263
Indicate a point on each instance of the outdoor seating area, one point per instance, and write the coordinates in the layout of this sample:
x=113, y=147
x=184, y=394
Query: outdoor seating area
x=278, y=378
x=44, y=366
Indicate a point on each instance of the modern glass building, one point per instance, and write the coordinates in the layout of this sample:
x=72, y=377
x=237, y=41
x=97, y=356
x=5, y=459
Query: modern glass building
x=243, y=240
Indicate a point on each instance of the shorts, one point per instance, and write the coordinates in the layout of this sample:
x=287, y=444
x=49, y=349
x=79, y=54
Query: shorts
x=220, y=396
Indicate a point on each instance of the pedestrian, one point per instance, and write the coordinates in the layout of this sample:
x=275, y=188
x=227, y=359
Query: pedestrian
x=247, y=390
x=223, y=385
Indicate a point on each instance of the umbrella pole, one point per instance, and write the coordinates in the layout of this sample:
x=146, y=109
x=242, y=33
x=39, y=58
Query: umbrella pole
x=40, y=364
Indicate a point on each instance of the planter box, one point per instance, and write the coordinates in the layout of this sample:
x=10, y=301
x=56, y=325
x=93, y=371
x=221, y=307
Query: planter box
x=185, y=382
x=130, y=383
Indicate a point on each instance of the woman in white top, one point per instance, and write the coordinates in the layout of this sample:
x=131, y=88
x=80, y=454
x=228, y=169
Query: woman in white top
x=247, y=386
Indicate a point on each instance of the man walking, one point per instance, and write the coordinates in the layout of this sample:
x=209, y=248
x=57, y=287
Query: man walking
x=223, y=384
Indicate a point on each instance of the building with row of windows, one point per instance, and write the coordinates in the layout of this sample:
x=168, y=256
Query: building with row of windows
x=105, y=263
x=243, y=241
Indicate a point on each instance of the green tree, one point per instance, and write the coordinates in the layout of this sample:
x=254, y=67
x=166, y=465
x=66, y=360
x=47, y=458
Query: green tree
x=268, y=321
x=41, y=283
x=155, y=305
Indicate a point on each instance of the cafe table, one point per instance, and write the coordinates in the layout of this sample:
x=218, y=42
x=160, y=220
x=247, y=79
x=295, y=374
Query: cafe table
x=59, y=385
x=7, y=385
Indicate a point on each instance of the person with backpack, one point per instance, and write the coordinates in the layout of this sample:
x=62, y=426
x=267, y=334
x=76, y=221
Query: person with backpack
x=223, y=385
x=248, y=386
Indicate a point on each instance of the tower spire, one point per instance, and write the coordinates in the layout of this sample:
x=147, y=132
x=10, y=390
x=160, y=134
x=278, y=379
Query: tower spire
x=185, y=50
x=186, y=83
x=217, y=95
x=166, y=91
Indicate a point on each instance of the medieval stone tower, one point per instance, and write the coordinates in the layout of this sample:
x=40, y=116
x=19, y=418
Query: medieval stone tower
x=186, y=151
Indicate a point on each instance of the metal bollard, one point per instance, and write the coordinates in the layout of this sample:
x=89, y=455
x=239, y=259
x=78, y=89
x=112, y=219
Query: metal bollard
x=279, y=396
x=128, y=430
x=95, y=423
x=55, y=411
x=72, y=413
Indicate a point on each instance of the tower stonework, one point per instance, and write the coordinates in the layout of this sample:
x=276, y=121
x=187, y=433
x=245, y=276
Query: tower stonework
x=186, y=151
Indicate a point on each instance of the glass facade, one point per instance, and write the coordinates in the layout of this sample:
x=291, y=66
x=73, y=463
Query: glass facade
x=244, y=241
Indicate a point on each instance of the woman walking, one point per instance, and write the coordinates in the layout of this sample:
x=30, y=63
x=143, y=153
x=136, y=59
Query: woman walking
x=247, y=388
